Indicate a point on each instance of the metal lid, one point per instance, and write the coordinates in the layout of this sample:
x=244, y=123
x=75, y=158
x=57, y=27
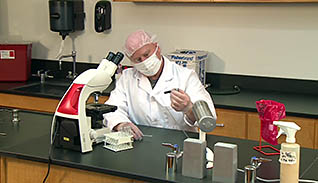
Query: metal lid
x=207, y=123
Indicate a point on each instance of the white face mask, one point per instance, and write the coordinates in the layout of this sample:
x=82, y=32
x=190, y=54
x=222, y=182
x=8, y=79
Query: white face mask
x=150, y=66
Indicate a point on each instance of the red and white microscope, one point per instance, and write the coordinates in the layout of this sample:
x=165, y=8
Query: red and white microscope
x=73, y=125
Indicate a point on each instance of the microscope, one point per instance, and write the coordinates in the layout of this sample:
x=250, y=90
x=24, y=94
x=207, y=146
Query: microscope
x=74, y=124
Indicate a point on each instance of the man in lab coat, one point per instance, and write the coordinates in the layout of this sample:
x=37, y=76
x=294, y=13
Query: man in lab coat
x=141, y=92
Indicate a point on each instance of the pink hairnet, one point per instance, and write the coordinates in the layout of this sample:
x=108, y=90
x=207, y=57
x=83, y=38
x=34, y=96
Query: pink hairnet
x=137, y=40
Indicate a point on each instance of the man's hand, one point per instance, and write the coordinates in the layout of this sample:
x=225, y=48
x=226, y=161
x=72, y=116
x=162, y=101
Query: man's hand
x=132, y=127
x=180, y=101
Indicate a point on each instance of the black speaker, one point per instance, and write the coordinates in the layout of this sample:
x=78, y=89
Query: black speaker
x=102, y=16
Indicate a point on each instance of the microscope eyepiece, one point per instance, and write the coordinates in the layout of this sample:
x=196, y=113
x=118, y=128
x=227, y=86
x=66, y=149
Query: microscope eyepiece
x=110, y=56
x=118, y=57
x=115, y=58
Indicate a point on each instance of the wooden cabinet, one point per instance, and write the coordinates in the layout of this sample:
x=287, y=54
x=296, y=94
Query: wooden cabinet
x=24, y=171
x=253, y=126
x=305, y=137
x=28, y=102
x=2, y=172
x=234, y=123
x=246, y=125
x=316, y=134
x=35, y=103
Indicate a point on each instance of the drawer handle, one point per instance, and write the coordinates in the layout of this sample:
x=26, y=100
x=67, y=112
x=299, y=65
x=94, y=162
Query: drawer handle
x=220, y=125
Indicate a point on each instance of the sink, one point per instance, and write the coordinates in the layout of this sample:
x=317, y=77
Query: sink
x=49, y=89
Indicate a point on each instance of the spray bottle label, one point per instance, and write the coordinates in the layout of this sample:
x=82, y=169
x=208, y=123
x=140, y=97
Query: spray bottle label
x=287, y=157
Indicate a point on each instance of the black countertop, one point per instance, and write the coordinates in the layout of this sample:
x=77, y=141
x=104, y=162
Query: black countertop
x=301, y=105
x=30, y=140
x=54, y=88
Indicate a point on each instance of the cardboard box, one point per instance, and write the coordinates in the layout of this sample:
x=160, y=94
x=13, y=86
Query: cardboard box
x=192, y=59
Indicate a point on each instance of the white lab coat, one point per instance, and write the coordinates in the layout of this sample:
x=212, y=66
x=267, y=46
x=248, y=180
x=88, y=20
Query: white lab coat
x=137, y=102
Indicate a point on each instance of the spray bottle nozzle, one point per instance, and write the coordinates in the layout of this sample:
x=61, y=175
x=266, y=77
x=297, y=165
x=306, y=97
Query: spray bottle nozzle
x=288, y=128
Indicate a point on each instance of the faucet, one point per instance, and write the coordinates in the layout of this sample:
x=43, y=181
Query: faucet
x=43, y=74
x=250, y=170
x=255, y=161
x=174, y=147
x=73, y=55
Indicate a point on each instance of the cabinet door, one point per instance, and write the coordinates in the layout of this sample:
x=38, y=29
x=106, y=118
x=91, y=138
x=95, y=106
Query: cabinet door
x=25, y=171
x=234, y=123
x=316, y=134
x=2, y=172
x=304, y=137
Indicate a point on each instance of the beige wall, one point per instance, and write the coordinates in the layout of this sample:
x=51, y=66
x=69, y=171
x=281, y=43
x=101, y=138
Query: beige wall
x=276, y=40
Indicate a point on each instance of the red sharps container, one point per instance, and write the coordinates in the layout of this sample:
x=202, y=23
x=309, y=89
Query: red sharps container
x=15, y=61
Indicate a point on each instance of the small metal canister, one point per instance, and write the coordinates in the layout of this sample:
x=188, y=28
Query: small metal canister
x=250, y=174
x=203, y=115
x=171, y=162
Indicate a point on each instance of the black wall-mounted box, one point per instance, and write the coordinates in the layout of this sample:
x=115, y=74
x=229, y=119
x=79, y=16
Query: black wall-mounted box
x=102, y=16
x=66, y=16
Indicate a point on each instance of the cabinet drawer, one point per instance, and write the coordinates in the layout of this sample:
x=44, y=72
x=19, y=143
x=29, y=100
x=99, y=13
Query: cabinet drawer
x=305, y=137
x=234, y=123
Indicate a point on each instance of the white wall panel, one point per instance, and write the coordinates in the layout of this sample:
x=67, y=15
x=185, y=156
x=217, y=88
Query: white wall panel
x=275, y=40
